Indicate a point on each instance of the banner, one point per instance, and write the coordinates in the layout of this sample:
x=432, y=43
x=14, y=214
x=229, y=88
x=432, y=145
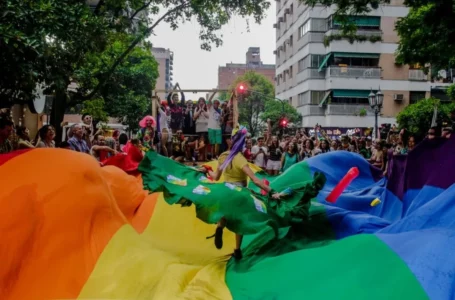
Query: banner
x=337, y=132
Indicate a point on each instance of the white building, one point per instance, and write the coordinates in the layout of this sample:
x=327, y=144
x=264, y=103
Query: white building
x=165, y=59
x=328, y=79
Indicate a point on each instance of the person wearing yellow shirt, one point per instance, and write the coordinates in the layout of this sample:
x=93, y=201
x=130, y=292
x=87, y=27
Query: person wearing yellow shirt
x=236, y=171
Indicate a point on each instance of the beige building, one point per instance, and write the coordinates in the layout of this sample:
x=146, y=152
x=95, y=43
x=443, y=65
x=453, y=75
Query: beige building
x=165, y=59
x=229, y=73
x=328, y=79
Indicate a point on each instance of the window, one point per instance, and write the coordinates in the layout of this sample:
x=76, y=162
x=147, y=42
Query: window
x=304, y=29
x=350, y=96
x=291, y=40
x=301, y=65
x=414, y=97
x=317, y=96
x=362, y=22
x=316, y=60
x=290, y=71
x=291, y=9
x=348, y=100
x=356, y=61
x=310, y=61
x=303, y=99
x=440, y=94
x=284, y=76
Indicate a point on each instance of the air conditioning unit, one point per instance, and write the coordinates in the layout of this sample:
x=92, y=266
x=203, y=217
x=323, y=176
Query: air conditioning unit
x=274, y=52
x=274, y=25
x=280, y=19
x=287, y=11
x=398, y=97
x=288, y=41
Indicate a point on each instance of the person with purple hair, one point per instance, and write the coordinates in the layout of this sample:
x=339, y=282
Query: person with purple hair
x=234, y=166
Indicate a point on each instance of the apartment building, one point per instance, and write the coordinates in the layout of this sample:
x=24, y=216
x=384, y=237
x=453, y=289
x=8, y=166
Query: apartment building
x=165, y=59
x=328, y=78
x=227, y=74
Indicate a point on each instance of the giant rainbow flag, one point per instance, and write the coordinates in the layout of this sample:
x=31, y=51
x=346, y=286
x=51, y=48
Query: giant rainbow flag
x=71, y=229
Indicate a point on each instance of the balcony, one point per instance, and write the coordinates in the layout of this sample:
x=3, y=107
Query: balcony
x=346, y=109
x=360, y=32
x=310, y=73
x=311, y=110
x=355, y=72
x=310, y=37
x=417, y=75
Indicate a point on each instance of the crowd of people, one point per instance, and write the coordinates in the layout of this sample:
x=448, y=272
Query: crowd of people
x=190, y=132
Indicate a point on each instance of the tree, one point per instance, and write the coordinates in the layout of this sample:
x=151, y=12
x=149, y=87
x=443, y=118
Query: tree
x=96, y=109
x=259, y=91
x=127, y=94
x=40, y=41
x=45, y=41
x=275, y=110
x=417, y=117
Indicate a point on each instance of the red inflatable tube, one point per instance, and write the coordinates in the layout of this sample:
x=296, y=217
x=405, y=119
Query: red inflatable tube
x=342, y=185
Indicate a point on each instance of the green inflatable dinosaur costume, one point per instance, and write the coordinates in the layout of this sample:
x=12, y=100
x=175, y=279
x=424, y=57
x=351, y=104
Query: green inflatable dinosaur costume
x=246, y=211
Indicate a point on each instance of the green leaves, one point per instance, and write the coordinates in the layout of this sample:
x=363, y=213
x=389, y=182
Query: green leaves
x=128, y=92
x=260, y=91
x=275, y=110
x=95, y=108
x=417, y=117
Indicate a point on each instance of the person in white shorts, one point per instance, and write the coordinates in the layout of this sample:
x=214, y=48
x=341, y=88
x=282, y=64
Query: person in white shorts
x=274, y=157
x=259, y=153
x=165, y=137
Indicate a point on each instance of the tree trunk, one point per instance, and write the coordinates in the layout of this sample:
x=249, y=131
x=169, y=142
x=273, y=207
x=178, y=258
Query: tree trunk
x=58, y=113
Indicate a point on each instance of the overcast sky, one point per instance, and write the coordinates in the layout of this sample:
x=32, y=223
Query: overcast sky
x=195, y=68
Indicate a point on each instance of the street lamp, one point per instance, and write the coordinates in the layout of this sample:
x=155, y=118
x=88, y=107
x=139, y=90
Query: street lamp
x=376, y=101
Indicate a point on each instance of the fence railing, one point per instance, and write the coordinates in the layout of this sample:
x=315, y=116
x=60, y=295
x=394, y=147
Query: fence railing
x=346, y=109
x=355, y=72
x=417, y=75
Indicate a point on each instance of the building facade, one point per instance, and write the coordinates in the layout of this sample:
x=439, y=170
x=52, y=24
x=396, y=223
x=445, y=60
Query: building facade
x=165, y=59
x=227, y=74
x=328, y=78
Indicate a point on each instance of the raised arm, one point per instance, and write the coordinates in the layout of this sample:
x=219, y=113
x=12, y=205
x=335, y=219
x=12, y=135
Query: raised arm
x=182, y=95
x=255, y=179
x=209, y=102
x=316, y=138
x=169, y=97
x=324, y=134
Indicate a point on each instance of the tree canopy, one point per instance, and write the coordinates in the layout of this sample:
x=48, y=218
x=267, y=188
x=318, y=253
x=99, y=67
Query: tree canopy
x=44, y=41
x=416, y=118
x=275, y=110
x=252, y=103
x=127, y=94
x=259, y=103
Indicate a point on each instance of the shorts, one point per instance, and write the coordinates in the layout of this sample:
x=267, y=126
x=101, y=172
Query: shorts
x=169, y=135
x=274, y=165
x=215, y=136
